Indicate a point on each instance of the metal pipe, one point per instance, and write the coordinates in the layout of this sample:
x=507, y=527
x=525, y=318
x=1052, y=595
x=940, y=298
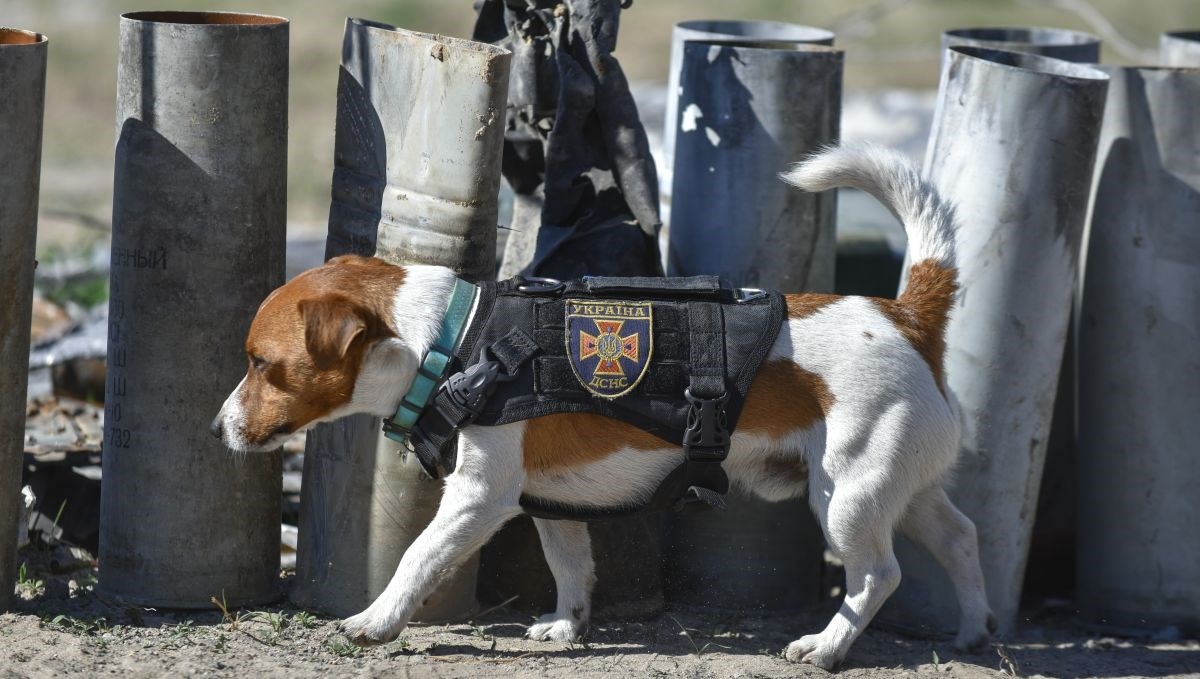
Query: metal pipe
x=748, y=110
x=1179, y=48
x=418, y=143
x=1076, y=46
x=1053, y=532
x=710, y=29
x=1139, y=357
x=1013, y=144
x=199, y=220
x=23, y=82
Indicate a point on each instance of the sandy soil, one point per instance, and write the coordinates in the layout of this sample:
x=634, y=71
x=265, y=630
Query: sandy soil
x=58, y=627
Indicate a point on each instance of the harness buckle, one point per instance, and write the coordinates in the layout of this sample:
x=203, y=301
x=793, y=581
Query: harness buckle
x=707, y=435
x=470, y=388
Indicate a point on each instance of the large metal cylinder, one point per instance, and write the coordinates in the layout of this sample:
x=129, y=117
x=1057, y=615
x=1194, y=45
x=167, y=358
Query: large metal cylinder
x=1012, y=146
x=713, y=29
x=1179, y=48
x=1076, y=46
x=23, y=84
x=1139, y=357
x=420, y=125
x=747, y=111
x=199, y=220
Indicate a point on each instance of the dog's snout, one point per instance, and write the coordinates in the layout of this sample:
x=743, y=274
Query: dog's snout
x=215, y=427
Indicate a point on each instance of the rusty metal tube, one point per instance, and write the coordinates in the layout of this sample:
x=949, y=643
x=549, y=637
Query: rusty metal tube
x=22, y=97
x=1179, y=48
x=1013, y=143
x=199, y=219
x=747, y=111
x=1139, y=357
x=419, y=138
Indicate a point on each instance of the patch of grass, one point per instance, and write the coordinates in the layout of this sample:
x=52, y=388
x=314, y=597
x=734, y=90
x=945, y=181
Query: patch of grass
x=180, y=634
x=305, y=619
x=27, y=583
x=342, y=648
x=232, y=618
x=76, y=626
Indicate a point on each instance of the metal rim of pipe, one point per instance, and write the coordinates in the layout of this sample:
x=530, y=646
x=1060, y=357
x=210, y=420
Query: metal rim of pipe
x=23, y=80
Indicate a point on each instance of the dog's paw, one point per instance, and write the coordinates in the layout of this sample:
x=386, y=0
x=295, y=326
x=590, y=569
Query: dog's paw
x=813, y=650
x=368, y=629
x=552, y=627
x=975, y=638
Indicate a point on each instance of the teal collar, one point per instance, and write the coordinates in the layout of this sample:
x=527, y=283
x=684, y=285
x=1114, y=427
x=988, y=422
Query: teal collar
x=434, y=364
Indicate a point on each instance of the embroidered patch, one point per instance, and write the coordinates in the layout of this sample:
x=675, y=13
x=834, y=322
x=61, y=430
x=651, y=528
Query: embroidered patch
x=609, y=344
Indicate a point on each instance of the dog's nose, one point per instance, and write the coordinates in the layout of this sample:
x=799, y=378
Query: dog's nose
x=215, y=427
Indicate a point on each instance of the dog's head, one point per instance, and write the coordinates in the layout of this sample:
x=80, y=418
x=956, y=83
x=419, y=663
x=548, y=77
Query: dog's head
x=305, y=351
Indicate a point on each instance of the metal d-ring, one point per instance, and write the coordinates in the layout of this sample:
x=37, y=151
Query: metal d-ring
x=535, y=285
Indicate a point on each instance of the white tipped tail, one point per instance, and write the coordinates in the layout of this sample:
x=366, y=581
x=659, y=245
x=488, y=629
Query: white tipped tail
x=895, y=181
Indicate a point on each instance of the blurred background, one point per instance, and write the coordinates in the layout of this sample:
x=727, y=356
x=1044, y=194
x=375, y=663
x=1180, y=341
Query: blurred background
x=891, y=68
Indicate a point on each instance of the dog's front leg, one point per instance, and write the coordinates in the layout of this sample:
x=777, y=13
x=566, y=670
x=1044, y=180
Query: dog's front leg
x=568, y=550
x=480, y=496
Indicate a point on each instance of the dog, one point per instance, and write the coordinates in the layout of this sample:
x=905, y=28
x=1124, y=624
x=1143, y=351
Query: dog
x=850, y=407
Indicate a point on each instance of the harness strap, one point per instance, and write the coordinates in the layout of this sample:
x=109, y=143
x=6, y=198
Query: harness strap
x=462, y=397
x=706, y=439
x=434, y=364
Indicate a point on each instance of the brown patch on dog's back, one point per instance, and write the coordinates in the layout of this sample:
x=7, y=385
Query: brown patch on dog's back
x=783, y=398
x=922, y=311
x=807, y=303
x=574, y=439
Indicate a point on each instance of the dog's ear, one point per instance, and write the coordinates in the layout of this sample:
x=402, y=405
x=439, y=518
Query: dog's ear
x=332, y=323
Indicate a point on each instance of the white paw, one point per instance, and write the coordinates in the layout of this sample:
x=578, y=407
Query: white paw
x=813, y=650
x=369, y=628
x=975, y=637
x=553, y=627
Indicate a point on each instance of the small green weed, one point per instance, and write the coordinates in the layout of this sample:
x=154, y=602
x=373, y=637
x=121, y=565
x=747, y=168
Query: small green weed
x=305, y=619
x=342, y=648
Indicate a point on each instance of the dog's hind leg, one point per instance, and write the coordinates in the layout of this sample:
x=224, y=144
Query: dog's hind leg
x=480, y=496
x=862, y=538
x=568, y=551
x=934, y=521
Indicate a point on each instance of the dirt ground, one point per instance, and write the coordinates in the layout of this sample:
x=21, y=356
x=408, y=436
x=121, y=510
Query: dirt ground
x=58, y=627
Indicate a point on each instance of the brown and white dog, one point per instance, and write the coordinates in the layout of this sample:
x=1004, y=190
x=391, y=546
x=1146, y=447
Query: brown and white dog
x=851, y=406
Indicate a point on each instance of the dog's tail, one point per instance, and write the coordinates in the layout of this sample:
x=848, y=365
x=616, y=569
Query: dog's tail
x=929, y=221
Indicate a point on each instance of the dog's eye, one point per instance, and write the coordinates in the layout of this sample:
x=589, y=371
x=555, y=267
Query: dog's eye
x=260, y=364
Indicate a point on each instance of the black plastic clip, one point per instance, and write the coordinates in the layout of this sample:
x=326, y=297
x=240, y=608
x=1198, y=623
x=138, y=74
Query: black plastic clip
x=470, y=388
x=707, y=435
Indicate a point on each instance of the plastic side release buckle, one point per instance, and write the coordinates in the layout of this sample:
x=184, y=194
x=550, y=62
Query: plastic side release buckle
x=707, y=434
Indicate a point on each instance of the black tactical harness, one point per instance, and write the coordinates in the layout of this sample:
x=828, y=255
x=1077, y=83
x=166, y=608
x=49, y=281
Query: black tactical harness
x=512, y=364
